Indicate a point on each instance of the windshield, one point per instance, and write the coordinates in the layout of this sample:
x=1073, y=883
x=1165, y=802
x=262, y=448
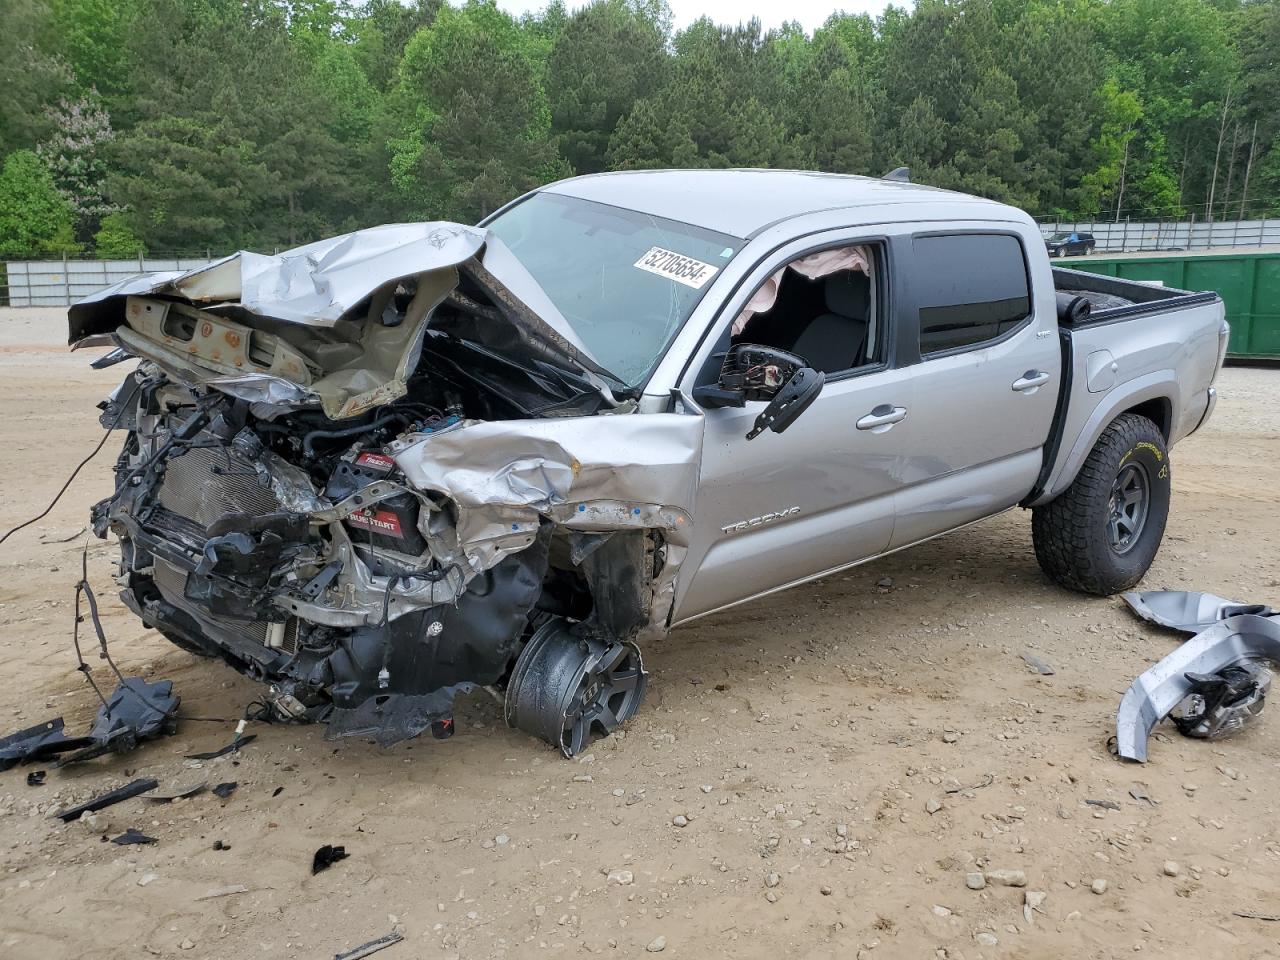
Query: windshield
x=625, y=281
x=1059, y=237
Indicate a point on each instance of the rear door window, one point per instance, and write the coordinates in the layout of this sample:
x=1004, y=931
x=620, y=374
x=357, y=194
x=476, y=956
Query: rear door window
x=971, y=289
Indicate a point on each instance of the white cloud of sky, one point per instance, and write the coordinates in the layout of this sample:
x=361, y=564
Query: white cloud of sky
x=810, y=13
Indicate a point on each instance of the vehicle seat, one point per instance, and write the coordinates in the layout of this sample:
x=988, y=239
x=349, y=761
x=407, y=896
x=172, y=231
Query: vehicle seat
x=837, y=340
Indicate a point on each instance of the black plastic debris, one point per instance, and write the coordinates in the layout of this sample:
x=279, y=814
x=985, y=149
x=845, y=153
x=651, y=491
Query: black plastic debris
x=277, y=791
x=136, y=711
x=35, y=778
x=132, y=836
x=231, y=747
x=326, y=857
x=370, y=948
x=221, y=845
x=225, y=790
x=136, y=788
x=40, y=742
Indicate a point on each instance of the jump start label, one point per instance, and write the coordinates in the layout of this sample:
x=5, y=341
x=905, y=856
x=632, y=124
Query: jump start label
x=380, y=521
x=674, y=266
x=376, y=461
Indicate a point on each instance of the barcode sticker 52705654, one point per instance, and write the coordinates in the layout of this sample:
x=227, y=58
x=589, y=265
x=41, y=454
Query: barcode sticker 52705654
x=674, y=266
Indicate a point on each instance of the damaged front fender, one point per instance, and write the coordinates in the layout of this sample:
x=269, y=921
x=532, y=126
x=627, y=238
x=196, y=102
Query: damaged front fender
x=1237, y=640
x=583, y=474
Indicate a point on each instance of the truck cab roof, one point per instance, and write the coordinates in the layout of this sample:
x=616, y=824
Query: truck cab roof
x=714, y=199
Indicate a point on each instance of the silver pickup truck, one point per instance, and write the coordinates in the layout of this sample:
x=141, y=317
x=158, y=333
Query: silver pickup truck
x=387, y=468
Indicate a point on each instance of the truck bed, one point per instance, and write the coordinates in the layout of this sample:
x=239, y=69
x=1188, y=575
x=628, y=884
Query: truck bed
x=1113, y=300
x=1139, y=347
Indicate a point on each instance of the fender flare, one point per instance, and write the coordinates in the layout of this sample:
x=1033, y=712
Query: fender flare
x=1159, y=385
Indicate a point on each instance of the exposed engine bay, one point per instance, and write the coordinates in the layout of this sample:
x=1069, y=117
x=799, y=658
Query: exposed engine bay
x=432, y=492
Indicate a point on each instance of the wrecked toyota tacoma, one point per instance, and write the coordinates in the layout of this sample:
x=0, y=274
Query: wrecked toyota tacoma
x=390, y=467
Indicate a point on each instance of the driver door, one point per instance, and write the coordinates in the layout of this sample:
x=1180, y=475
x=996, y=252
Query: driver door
x=784, y=508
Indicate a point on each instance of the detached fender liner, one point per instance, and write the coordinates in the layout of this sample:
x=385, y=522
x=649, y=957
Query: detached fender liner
x=427, y=665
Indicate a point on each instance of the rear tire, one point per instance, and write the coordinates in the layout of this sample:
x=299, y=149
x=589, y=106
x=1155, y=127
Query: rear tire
x=1101, y=534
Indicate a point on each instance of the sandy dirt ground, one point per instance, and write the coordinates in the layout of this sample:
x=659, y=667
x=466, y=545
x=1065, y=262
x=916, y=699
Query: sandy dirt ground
x=843, y=755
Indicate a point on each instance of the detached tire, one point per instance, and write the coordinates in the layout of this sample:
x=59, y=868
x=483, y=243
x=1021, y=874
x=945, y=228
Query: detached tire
x=1100, y=535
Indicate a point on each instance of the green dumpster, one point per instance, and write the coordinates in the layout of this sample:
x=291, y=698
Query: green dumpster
x=1248, y=282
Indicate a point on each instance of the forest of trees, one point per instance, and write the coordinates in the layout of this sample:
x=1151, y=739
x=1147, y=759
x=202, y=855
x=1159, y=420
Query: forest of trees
x=194, y=125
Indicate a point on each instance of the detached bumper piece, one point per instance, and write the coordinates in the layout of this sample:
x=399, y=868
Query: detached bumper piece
x=1189, y=612
x=37, y=743
x=1213, y=685
x=135, y=712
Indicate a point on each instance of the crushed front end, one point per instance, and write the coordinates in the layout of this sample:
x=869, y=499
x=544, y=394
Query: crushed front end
x=370, y=552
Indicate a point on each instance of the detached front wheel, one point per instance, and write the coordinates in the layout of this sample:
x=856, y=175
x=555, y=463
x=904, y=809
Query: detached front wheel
x=568, y=689
x=1101, y=534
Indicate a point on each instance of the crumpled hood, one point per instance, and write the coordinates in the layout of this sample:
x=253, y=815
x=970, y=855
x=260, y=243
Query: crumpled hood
x=312, y=285
x=320, y=285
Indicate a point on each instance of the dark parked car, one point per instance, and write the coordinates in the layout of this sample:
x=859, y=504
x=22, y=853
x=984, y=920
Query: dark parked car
x=1070, y=244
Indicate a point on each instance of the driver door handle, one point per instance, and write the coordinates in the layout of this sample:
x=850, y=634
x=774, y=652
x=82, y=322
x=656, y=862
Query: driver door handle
x=882, y=418
x=1030, y=380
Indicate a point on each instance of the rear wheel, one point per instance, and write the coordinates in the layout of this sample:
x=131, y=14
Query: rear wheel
x=1102, y=533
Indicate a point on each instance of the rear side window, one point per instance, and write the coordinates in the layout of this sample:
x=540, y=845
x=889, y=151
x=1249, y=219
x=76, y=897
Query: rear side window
x=971, y=287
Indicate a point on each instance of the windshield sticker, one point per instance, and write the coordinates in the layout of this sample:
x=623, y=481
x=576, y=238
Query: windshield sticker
x=673, y=266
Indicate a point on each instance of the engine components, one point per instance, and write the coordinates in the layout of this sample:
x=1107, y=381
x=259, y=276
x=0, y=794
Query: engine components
x=1224, y=703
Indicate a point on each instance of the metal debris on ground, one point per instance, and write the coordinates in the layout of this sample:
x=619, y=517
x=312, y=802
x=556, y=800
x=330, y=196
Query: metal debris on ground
x=180, y=793
x=1252, y=915
x=1139, y=792
x=129, y=790
x=228, y=891
x=231, y=747
x=326, y=857
x=1215, y=683
x=370, y=948
x=35, y=778
x=986, y=781
x=1189, y=611
x=224, y=790
x=132, y=836
x=1038, y=664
